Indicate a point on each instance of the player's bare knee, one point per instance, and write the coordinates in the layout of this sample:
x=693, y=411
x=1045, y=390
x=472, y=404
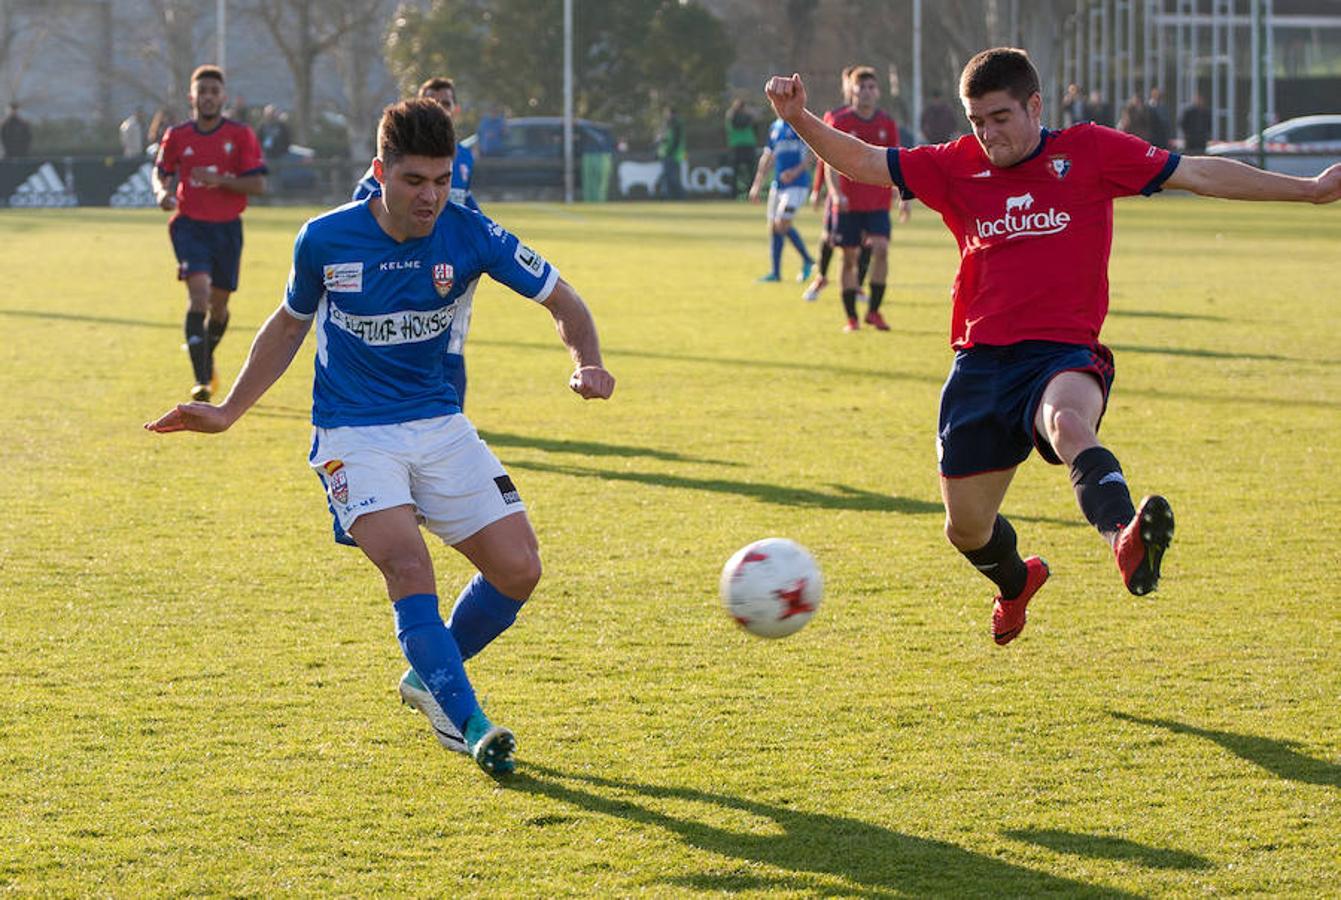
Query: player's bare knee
x=1068, y=431
x=521, y=577
x=966, y=536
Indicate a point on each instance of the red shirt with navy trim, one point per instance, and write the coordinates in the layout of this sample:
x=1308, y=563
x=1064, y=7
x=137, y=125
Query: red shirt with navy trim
x=230, y=148
x=1034, y=238
x=880, y=130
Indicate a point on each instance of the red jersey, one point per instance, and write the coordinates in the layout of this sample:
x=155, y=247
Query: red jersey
x=1033, y=238
x=880, y=130
x=230, y=148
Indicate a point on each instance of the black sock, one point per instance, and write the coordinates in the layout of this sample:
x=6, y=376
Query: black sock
x=863, y=263
x=877, y=294
x=216, y=329
x=198, y=346
x=1102, y=491
x=850, y=302
x=826, y=254
x=1000, y=561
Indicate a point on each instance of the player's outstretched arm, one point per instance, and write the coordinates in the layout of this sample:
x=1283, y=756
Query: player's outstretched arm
x=855, y=158
x=271, y=352
x=577, y=330
x=1230, y=179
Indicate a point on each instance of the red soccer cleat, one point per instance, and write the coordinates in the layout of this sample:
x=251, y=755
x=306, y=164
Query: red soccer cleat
x=1140, y=546
x=877, y=321
x=852, y=325
x=1008, y=615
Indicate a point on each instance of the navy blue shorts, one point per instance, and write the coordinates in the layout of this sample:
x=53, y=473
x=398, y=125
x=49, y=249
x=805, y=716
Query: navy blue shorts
x=853, y=227
x=213, y=247
x=990, y=400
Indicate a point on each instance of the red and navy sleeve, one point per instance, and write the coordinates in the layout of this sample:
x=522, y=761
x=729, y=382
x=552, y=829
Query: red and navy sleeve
x=919, y=172
x=167, y=153
x=1129, y=165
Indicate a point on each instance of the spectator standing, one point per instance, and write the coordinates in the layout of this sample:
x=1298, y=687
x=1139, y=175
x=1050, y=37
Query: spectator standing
x=1073, y=105
x=132, y=133
x=671, y=152
x=164, y=118
x=16, y=135
x=1098, y=110
x=939, y=122
x=1158, y=117
x=274, y=132
x=1195, y=122
x=1135, y=118
x=740, y=144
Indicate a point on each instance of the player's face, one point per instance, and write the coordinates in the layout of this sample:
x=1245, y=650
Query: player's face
x=446, y=99
x=414, y=189
x=866, y=93
x=207, y=98
x=1007, y=129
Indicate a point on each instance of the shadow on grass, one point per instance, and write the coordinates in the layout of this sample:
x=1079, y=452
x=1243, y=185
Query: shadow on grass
x=592, y=448
x=1280, y=758
x=870, y=860
x=1163, y=314
x=842, y=496
x=96, y=320
x=1211, y=354
x=1101, y=846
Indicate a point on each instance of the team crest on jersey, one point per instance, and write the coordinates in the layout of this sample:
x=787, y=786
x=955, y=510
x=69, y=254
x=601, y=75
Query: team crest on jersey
x=1060, y=165
x=337, y=480
x=228, y=146
x=443, y=277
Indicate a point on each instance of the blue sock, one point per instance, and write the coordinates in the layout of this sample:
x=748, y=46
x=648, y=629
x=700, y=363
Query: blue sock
x=777, y=253
x=482, y=613
x=432, y=653
x=795, y=237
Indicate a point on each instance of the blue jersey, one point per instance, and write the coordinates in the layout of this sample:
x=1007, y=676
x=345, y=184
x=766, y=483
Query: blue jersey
x=463, y=169
x=789, y=151
x=386, y=311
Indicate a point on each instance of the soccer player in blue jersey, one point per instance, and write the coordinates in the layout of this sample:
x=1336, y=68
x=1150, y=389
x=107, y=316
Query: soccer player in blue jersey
x=789, y=158
x=443, y=90
x=383, y=279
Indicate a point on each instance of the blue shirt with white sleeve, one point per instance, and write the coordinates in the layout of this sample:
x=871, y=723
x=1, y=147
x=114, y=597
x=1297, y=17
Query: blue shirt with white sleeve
x=789, y=151
x=387, y=311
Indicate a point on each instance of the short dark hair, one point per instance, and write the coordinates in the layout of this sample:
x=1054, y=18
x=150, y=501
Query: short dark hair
x=415, y=128
x=436, y=84
x=860, y=73
x=207, y=71
x=999, y=69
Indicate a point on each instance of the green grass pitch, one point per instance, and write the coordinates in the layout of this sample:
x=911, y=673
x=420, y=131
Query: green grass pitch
x=197, y=687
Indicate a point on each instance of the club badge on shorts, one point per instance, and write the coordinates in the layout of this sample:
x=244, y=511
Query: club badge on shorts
x=337, y=480
x=443, y=277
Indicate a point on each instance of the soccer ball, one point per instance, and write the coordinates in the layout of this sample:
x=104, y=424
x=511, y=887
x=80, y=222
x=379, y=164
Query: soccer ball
x=772, y=587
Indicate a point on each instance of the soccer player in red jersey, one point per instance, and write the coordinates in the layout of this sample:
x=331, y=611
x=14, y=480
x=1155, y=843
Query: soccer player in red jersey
x=206, y=169
x=863, y=209
x=1032, y=213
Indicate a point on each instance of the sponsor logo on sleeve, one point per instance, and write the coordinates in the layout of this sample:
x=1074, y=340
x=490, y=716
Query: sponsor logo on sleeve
x=529, y=260
x=343, y=278
x=443, y=278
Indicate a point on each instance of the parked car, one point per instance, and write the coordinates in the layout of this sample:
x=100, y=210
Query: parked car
x=528, y=158
x=1302, y=146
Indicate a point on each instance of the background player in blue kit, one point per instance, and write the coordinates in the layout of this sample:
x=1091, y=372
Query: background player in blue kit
x=790, y=160
x=383, y=280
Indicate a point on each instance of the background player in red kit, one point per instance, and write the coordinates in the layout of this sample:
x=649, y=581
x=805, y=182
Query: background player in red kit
x=1032, y=212
x=863, y=209
x=206, y=169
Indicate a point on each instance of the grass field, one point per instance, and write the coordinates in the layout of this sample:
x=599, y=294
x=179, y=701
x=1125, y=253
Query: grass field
x=197, y=688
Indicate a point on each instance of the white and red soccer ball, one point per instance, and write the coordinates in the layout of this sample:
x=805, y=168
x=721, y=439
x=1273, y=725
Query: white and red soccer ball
x=772, y=587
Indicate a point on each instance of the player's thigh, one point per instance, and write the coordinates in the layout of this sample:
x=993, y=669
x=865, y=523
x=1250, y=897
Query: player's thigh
x=1075, y=392
x=847, y=231
x=458, y=485
x=507, y=553
x=390, y=538
x=972, y=504
x=363, y=470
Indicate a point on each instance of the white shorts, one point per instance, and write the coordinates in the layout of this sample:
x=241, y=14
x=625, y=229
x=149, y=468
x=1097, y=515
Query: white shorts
x=439, y=466
x=783, y=203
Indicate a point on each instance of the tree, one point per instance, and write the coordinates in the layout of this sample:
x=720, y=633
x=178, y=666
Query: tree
x=303, y=30
x=630, y=56
x=364, y=89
